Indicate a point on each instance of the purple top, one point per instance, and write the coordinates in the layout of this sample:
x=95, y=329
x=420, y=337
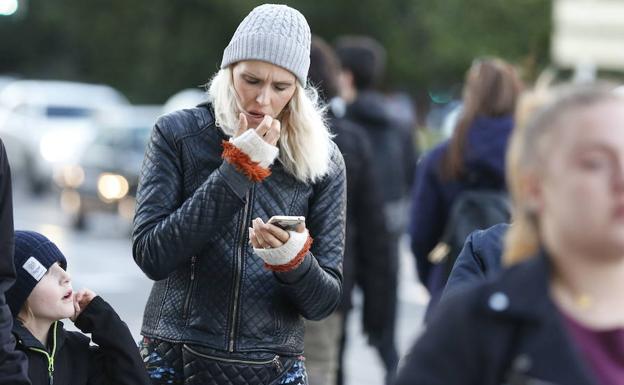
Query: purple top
x=602, y=350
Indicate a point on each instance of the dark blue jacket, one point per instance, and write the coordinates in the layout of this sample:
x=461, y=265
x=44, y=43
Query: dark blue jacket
x=433, y=196
x=504, y=331
x=479, y=259
x=12, y=362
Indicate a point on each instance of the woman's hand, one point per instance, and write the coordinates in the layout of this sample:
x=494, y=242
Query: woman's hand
x=269, y=129
x=267, y=236
x=81, y=299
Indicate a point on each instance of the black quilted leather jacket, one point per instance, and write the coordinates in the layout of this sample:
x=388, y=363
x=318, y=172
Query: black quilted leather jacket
x=191, y=237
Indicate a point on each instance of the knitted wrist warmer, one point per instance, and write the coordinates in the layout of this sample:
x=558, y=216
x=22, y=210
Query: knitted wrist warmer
x=250, y=154
x=288, y=256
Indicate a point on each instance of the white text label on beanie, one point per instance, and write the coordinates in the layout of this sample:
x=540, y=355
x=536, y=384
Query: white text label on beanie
x=34, y=268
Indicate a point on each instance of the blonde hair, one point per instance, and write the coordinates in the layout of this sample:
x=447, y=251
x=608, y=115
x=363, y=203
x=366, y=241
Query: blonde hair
x=305, y=140
x=537, y=113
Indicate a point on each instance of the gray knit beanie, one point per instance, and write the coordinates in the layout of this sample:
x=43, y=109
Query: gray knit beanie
x=273, y=33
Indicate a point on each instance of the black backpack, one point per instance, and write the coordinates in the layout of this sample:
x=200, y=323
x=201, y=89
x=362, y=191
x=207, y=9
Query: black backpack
x=472, y=210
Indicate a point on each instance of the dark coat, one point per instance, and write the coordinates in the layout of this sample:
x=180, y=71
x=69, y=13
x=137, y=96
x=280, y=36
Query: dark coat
x=507, y=330
x=366, y=236
x=479, y=259
x=12, y=362
x=115, y=361
x=433, y=195
x=191, y=236
x=393, y=151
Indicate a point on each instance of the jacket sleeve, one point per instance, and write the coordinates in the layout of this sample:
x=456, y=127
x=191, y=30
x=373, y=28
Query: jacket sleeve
x=428, y=211
x=315, y=286
x=12, y=362
x=115, y=360
x=480, y=258
x=169, y=228
x=448, y=351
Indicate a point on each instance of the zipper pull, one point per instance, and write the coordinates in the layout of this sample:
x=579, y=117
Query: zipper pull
x=278, y=364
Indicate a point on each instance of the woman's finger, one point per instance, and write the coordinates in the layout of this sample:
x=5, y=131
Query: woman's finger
x=273, y=134
x=253, y=239
x=271, y=240
x=242, y=124
x=257, y=224
x=280, y=234
x=264, y=126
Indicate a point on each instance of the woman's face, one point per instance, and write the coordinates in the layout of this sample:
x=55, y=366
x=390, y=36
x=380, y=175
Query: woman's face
x=262, y=89
x=580, y=193
x=52, y=298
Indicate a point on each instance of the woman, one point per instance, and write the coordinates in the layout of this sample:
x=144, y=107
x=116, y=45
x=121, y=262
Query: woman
x=231, y=290
x=473, y=159
x=557, y=315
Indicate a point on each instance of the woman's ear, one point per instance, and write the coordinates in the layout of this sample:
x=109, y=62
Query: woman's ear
x=532, y=193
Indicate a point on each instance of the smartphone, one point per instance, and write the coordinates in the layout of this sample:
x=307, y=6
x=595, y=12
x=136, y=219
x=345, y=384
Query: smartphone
x=286, y=222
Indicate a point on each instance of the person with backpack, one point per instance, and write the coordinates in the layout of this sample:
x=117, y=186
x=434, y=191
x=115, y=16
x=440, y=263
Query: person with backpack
x=555, y=315
x=460, y=184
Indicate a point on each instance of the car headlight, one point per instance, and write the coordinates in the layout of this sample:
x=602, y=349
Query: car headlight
x=112, y=187
x=70, y=176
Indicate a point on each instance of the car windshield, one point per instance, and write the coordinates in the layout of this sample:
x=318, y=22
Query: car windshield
x=68, y=112
x=130, y=138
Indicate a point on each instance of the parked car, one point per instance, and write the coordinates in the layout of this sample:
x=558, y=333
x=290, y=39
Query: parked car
x=187, y=98
x=106, y=176
x=45, y=124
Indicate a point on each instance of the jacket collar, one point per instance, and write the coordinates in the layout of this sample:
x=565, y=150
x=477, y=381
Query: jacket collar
x=522, y=291
x=25, y=338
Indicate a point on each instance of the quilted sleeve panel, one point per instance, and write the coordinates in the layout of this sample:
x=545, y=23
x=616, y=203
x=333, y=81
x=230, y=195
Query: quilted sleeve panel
x=315, y=288
x=168, y=227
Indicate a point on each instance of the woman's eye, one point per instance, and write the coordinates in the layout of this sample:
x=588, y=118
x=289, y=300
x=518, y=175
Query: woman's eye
x=593, y=163
x=251, y=81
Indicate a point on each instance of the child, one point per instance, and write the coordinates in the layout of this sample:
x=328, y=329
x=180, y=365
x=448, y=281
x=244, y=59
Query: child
x=41, y=297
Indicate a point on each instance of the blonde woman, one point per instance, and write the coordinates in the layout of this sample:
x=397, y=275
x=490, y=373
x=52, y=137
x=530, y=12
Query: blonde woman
x=231, y=291
x=556, y=316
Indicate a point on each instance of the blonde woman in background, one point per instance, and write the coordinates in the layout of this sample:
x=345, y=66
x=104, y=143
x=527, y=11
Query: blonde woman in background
x=556, y=315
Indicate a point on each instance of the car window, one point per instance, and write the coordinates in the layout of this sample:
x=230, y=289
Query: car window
x=68, y=112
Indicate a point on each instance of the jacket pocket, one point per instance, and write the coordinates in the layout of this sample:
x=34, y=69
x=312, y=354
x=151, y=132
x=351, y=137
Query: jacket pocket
x=189, y=291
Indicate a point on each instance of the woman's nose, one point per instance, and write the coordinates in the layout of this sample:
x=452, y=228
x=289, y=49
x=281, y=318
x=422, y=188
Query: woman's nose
x=264, y=96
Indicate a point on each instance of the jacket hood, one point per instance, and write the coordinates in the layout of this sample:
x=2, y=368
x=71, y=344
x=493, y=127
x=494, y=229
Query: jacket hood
x=487, y=145
x=370, y=107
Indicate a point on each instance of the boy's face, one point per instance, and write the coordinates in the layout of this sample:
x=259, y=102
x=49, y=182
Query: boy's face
x=52, y=299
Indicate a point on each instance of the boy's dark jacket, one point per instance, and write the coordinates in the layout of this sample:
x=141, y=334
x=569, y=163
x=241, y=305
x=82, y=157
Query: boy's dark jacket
x=115, y=360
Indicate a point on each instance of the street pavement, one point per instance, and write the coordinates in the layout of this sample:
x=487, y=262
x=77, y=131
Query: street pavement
x=100, y=258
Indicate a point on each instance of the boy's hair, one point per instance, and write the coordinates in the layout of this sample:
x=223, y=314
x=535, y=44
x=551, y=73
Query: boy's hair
x=364, y=57
x=34, y=254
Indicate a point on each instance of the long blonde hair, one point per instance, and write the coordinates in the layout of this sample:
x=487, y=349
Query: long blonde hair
x=537, y=113
x=305, y=140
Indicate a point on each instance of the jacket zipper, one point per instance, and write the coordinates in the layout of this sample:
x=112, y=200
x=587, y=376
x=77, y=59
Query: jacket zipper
x=48, y=356
x=187, y=301
x=275, y=360
x=238, y=267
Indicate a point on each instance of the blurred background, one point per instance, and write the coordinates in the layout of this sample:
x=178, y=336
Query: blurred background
x=82, y=82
